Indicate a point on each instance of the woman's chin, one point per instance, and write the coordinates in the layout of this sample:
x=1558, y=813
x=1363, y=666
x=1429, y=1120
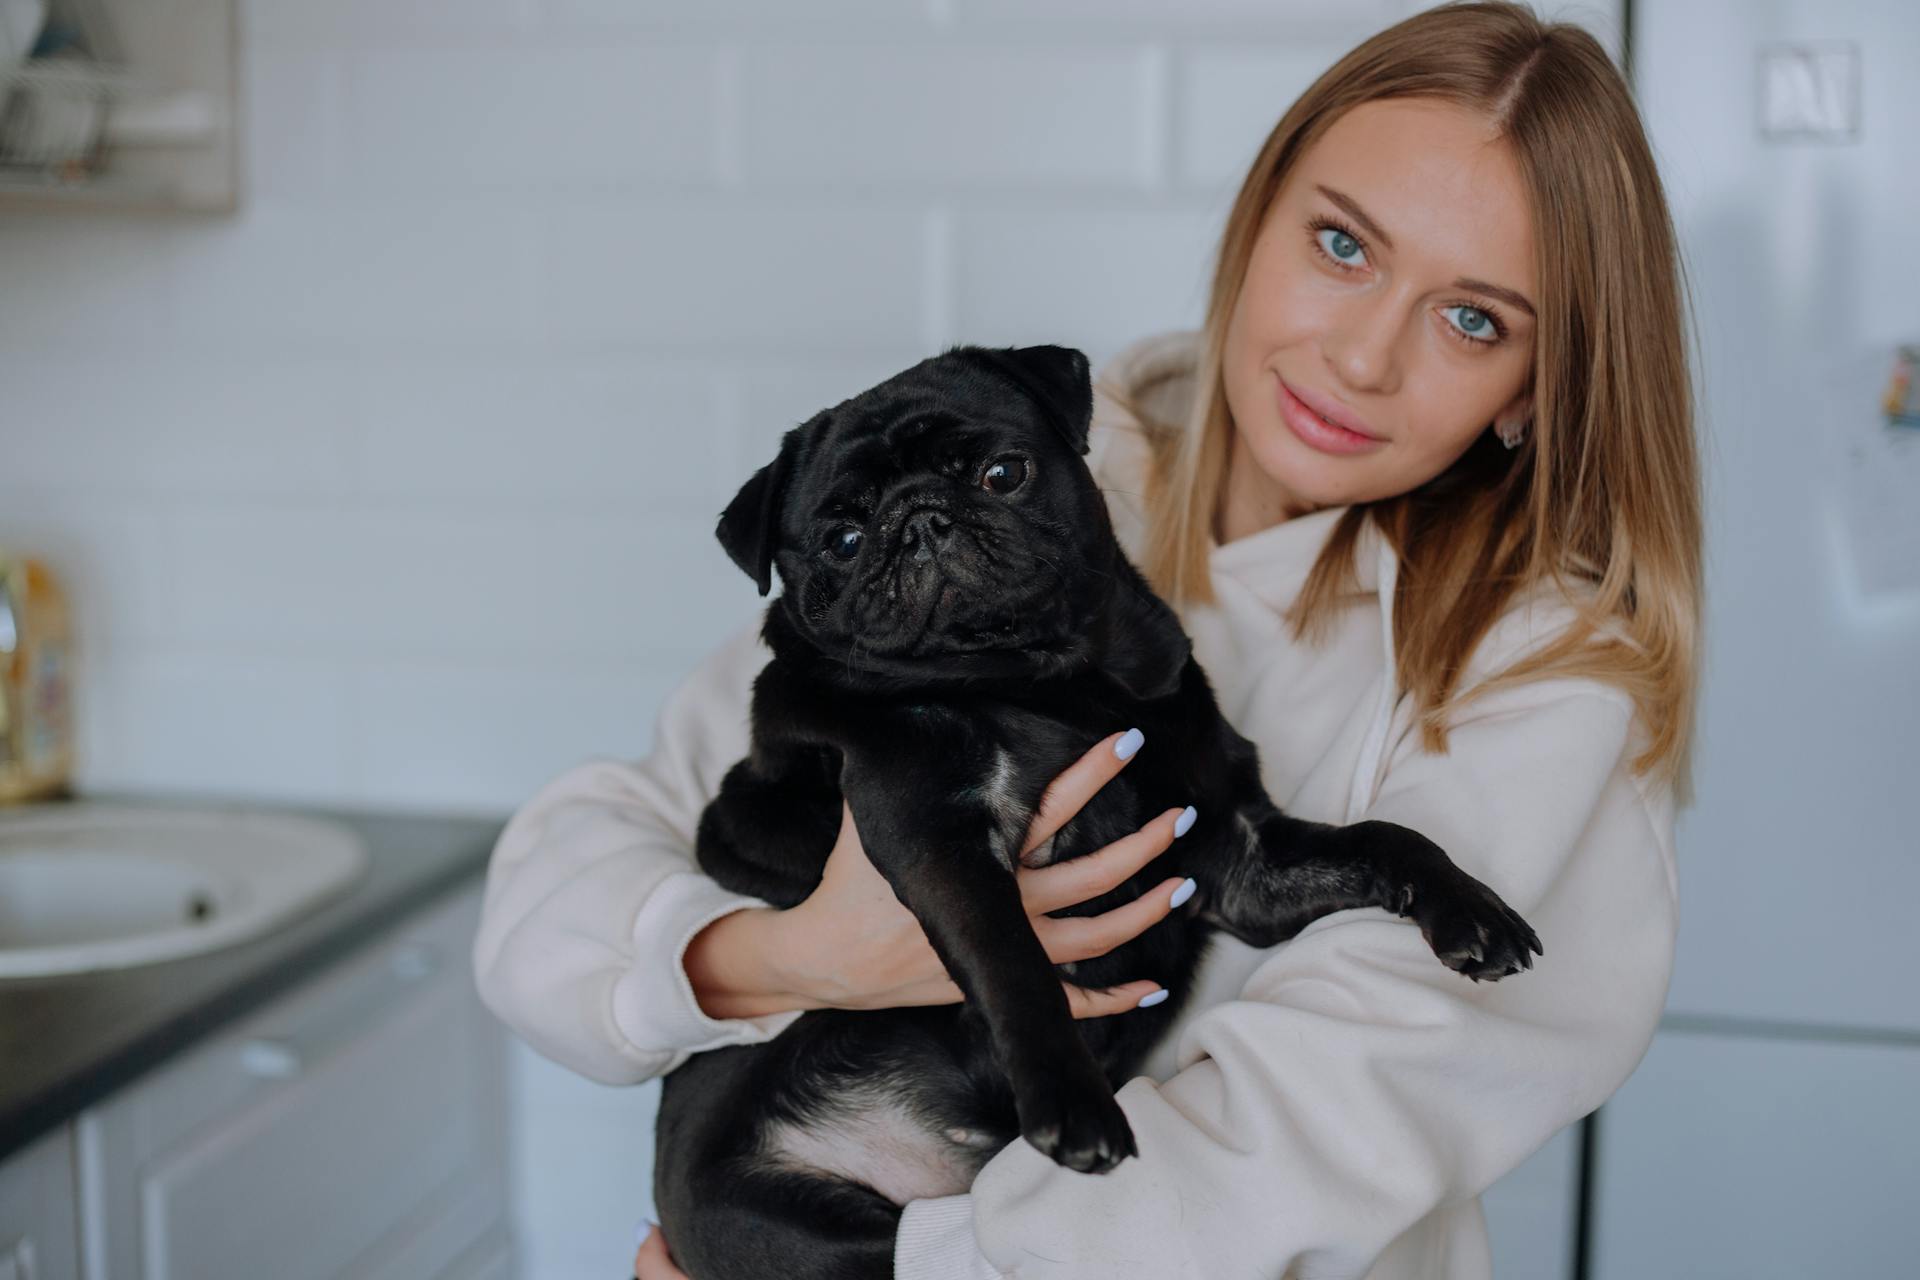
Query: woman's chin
x=1308, y=479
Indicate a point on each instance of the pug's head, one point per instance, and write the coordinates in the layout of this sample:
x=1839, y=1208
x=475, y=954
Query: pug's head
x=942, y=526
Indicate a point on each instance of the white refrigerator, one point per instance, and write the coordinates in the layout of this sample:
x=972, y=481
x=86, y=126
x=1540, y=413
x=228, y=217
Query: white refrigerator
x=1774, y=1127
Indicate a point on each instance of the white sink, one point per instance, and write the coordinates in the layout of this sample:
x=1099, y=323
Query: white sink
x=86, y=885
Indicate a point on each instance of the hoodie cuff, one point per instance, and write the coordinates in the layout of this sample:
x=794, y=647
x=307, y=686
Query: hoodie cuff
x=653, y=1003
x=935, y=1241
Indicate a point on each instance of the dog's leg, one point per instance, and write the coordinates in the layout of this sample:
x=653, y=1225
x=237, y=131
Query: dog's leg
x=1274, y=874
x=936, y=853
x=769, y=836
x=755, y=1222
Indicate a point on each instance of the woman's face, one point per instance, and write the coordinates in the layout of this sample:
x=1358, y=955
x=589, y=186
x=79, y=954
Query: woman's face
x=1390, y=290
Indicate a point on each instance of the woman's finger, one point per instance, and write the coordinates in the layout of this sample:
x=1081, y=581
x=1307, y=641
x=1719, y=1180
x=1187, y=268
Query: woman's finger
x=1098, y=1002
x=1076, y=784
x=1081, y=879
x=1074, y=938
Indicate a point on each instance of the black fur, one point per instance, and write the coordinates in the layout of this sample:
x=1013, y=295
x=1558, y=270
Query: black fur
x=976, y=644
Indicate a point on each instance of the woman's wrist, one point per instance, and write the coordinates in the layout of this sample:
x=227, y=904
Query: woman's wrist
x=738, y=966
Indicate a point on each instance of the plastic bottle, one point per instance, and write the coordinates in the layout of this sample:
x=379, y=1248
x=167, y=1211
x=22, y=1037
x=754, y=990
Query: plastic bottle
x=36, y=664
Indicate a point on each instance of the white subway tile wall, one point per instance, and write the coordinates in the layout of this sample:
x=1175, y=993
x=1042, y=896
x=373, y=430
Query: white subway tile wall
x=398, y=487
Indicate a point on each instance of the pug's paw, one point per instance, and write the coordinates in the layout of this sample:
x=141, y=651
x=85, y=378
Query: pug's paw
x=1078, y=1125
x=1473, y=931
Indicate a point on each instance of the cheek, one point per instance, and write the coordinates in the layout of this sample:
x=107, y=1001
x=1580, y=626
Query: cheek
x=1279, y=305
x=1450, y=407
x=1460, y=396
x=1279, y=311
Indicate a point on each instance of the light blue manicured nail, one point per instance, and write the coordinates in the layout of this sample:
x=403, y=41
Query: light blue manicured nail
x=1184, y=823
x=1148, y=1001
x=1129, y=743
x=1184, y=892
x=642, y=1231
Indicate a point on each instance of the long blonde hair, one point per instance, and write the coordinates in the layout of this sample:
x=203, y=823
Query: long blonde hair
x=1605, y=490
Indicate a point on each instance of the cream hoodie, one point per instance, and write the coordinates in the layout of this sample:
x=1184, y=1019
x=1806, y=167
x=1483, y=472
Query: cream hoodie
x=1330, y=1107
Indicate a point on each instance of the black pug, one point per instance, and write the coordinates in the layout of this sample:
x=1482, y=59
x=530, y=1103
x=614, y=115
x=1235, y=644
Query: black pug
x=958, y=624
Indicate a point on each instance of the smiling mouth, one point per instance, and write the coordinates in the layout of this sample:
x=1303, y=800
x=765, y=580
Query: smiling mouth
x=1341, y=422
x=1316, y=432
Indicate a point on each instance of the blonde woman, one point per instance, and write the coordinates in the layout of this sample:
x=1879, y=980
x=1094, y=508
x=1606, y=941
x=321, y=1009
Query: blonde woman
x=1424, y=493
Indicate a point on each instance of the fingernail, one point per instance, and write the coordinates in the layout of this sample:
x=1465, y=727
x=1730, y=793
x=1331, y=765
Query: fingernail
x=1129, y=743
x=642, y=1231
x=1184, y=823
x=1156, y=997
x=1184, y=892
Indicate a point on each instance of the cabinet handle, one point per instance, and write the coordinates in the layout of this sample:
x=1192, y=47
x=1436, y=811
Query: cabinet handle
x=285, y=1056
x=18, y=1262
x=413, y=961
x=270, y=1059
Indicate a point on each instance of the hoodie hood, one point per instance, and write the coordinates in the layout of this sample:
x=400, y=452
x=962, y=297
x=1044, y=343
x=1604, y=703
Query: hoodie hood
x=1158, y=374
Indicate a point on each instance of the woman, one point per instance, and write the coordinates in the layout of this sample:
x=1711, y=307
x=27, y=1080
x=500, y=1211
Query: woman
x=1424, y=492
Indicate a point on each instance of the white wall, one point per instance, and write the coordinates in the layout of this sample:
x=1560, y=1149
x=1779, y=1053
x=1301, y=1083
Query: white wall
x=398, y=488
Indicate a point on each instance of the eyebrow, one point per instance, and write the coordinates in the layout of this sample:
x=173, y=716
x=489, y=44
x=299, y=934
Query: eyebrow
x=1372, y=228
x=1508, y=296
x=1358, y=214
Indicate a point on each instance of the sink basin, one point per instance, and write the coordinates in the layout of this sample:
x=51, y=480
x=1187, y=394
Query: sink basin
x=87, y=886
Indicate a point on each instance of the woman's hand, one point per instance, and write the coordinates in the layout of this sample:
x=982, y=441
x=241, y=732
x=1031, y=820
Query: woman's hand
x=653, y=1262
x=852, y=945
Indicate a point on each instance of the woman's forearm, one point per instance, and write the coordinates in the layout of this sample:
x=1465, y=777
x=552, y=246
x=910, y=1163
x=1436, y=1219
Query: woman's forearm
x=735, y=966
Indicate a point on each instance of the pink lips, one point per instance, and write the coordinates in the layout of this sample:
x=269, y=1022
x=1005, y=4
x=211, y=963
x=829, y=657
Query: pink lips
x=1320, y=425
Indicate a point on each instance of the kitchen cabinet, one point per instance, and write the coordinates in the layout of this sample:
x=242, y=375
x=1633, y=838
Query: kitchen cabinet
x=1731, y=1155
x=39, y=1229
x=355, y=1127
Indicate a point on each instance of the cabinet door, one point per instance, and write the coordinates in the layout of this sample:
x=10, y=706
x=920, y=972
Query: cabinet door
x=39, y=1236
x=354, y=1128
x=1729, y=1158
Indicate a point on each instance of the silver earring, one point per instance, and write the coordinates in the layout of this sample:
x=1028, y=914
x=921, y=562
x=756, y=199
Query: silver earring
x=1511, y=431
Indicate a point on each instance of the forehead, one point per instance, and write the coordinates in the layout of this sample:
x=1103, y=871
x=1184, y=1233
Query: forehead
x=1437, y=178
x=922, y=418
x=928, y=410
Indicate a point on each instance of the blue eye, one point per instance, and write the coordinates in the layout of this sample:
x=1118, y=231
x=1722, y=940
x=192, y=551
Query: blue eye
x=1476, y=324
x=1340, y=246
x=844, y=543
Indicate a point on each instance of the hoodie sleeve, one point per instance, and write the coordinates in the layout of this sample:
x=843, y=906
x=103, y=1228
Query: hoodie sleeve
x=1358, y=1084
x=593, y=894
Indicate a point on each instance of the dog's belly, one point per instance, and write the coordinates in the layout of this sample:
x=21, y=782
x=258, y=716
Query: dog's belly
x=871, y=1136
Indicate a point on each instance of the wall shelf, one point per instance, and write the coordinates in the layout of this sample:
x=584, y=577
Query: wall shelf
x=173, y=133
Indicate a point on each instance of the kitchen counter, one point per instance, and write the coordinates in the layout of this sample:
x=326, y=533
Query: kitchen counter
x=67, y=1042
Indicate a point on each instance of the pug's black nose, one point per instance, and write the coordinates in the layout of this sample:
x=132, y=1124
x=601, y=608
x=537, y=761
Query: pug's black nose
x=927, y=533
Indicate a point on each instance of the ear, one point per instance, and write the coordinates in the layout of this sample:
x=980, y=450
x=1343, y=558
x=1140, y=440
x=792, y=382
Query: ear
x=750, y=526
x=1519, y=409
x=1146, y=647
x=1058, y=378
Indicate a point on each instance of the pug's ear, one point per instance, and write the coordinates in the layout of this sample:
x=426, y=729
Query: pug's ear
x=750, y=526
x=1059, y=378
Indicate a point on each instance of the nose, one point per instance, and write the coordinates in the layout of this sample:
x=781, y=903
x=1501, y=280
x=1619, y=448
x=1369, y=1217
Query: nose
x=1362, y=347
x=926, y=533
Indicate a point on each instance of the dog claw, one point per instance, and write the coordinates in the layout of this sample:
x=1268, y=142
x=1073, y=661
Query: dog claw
x=1085, y=1131
x=1473, y=932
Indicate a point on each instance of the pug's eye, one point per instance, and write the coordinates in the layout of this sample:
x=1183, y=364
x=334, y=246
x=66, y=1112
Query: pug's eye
x=844, y=542
x=1004, y=475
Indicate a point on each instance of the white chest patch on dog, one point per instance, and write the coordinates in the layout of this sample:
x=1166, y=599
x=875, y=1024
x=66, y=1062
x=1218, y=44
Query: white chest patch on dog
x=871, y=1138
x=1010, y=817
